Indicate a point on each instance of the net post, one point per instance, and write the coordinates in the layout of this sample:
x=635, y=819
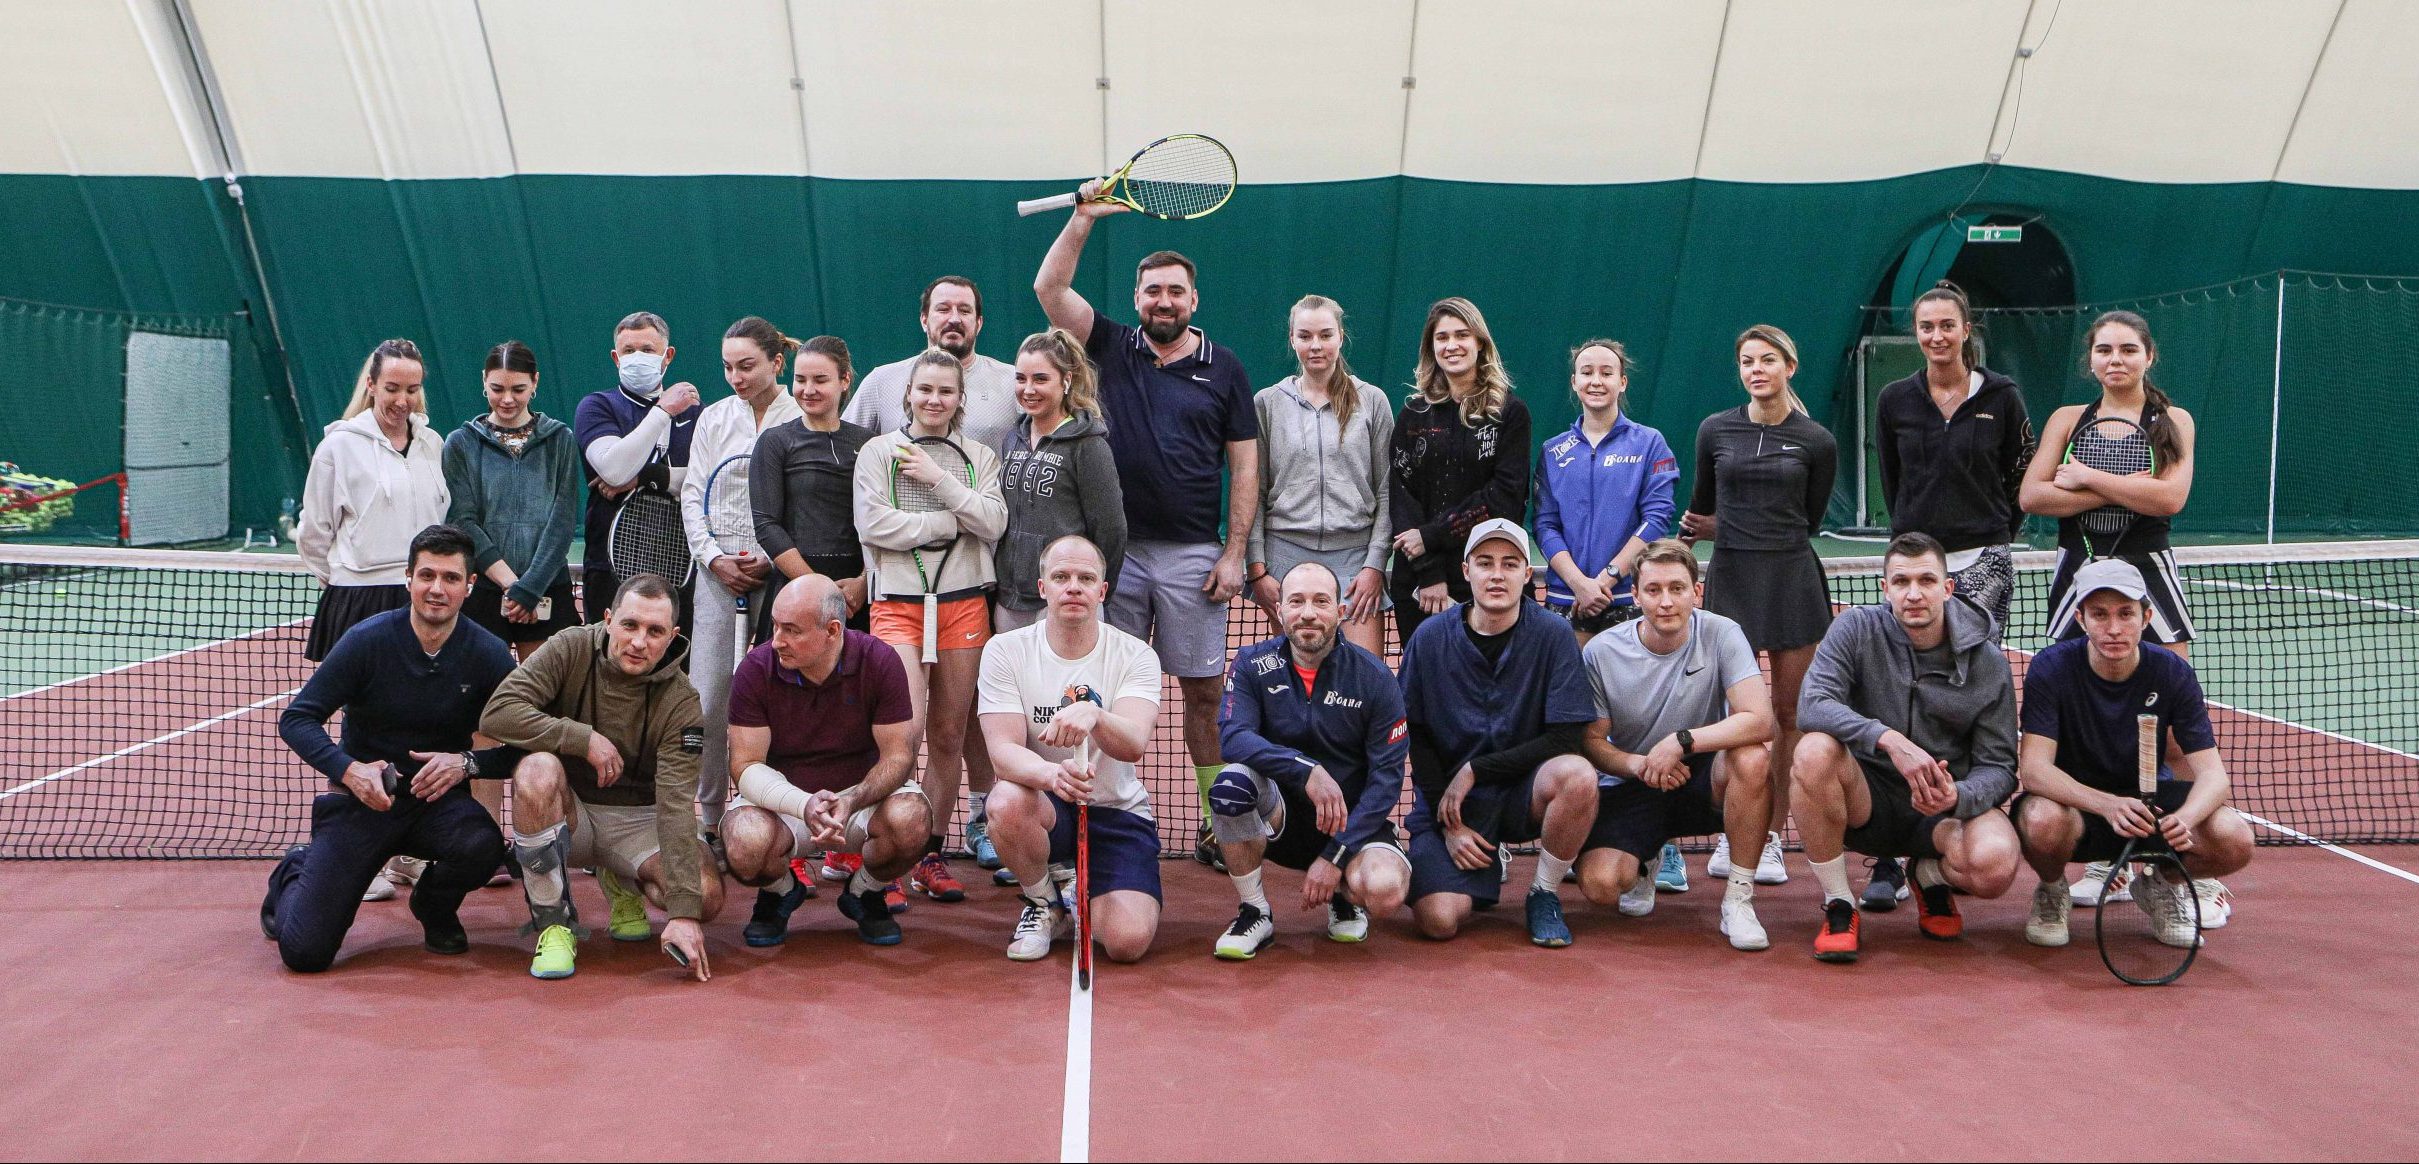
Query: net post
x=125, y=510
x=2276, y=402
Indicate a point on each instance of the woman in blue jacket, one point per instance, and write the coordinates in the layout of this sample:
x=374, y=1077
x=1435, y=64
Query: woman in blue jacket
x=1604, y=490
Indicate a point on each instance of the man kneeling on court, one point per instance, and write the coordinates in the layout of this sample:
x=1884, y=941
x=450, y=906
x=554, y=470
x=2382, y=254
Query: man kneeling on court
x=613, y=732
x=1051, y=693
x=1910, y=746
x=1313, y=738
x=2082, y=699
x=823, y=741
x=1497, y=705
x=1681, y=743
x=410, y=684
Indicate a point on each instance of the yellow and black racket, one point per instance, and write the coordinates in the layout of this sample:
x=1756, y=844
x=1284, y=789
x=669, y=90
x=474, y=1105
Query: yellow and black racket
x=1181, y=176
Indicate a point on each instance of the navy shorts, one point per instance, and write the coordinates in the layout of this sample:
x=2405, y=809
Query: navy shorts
x=1500, y=813
x=1299, y=843
x=1637, y=818
x=2099, y=841
x=1125, y=848
x=1895, y=829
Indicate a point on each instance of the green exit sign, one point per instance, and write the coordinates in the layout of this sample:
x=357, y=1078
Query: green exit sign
x=1989, y=234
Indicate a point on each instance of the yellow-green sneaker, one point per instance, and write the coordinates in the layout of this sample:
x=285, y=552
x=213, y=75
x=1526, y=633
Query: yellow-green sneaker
x=629, y=920
x=556, y=948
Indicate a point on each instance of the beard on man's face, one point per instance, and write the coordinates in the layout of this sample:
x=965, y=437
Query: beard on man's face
x=1163, y=329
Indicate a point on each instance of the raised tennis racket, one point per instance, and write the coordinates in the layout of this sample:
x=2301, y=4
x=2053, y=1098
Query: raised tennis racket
x=732, y=524
x=647, y=538
x=908, y=495
x=1083, y=876
x=1181, y=176
x=2131, y=944
x=2111, y=444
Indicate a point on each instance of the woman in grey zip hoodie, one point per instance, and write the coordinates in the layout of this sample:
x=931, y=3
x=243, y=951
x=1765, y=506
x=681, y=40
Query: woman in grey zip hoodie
x=515, y=478
x=1324, y=435
x=1059, y=482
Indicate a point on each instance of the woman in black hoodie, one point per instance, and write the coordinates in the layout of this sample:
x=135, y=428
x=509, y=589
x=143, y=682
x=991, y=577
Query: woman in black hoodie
x=1955, y=440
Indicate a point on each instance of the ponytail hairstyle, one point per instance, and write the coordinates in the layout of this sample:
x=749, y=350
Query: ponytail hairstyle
x=830, y=347
x=1780, y=342
x=2156, y=423
x=1494, y=384
x=935, y=358
x=511, y=356
x=1342, y=392
x=767, y=338
x=1620, y=357
x=1947, y=292
x=1066, y=356
x=394, y=349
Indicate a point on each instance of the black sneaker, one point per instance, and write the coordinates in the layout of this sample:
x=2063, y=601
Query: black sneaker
x=1888, y=885
x=444, y=936
x=283, y=875
x=769, y=925
x=875, y=926
x=1206, y=850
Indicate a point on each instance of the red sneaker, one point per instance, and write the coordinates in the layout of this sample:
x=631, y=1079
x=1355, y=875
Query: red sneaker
x=798, y=872
x=931, y=877
x=1836, y=941
x=894, y=897
x=1936, y=913
x=838, y=866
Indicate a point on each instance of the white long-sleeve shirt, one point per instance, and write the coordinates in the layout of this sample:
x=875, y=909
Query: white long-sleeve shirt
x=727, y=428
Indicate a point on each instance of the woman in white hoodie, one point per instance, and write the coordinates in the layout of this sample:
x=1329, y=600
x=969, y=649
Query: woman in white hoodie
x=377, y=479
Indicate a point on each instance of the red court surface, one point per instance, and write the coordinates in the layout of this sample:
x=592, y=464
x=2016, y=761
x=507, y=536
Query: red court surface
x=147, y=1020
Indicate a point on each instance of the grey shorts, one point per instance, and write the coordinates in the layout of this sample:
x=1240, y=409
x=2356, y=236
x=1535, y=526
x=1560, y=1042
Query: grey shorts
x=1284, y=555
x=619, y=837
x=1159, y=600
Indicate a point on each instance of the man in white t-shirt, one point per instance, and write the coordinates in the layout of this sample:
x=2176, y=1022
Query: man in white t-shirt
x=951, y=315
x=1066, y=681
x=1681, y=747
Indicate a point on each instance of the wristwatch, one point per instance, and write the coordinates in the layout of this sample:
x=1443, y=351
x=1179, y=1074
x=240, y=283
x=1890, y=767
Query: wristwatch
x=1688, y=743
x=470, y=765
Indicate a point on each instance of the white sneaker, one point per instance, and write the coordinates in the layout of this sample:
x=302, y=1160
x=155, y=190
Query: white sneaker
x=2046, y=926
x=404, y=871
x=2086, y=893
x=1718, y=866
x=1638, y=900
x=2170, y=918
x=1347, y=922
x=1768, y=867
x=1250, y=932
x=380, y=889
x=1036, y=927
x=2217, y=902
x=1740, y=925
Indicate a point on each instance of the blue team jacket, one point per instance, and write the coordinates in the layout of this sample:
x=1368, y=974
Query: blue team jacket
x=1350, y=722
x=1591, y=499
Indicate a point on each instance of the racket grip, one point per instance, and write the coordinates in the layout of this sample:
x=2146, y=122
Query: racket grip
x=1032, y=206
x=932, y=628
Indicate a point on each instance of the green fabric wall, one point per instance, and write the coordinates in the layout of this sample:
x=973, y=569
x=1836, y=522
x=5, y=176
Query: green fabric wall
x=1675, y=269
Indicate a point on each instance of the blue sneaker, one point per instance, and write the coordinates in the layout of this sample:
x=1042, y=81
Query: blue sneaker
x=978, y=842
x=769, y=925
x=1671, y=873
x=1546, y=926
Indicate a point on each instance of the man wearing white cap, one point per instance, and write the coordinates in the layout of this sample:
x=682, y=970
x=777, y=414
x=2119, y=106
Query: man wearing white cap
x=1498, y=706
x=2077, y=760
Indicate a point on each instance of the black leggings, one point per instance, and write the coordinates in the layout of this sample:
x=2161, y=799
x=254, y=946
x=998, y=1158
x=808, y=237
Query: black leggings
x=317, y=889
x=1407, y=614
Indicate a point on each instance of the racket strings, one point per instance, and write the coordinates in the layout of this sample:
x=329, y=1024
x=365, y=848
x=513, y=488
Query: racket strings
x=1182, y=177
x=647, y=538
x=2125, y=452
x=729, y=517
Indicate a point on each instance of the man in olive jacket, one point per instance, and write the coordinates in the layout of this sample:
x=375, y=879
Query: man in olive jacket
x=613, y=731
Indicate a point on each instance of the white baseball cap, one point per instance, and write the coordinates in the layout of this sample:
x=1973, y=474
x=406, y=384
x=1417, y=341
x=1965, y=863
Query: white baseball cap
x=2110, y=574
x=1499, y=527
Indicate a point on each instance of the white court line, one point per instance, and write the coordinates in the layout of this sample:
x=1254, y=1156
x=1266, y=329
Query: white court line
x=1075, y=1107
x=2338, y=850
x=2337, y=595
x=153, y=659
x=154, y=741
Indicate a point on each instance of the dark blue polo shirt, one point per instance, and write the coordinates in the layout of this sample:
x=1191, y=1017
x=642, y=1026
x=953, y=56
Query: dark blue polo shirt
x=1169, y=426
x=2093, y=719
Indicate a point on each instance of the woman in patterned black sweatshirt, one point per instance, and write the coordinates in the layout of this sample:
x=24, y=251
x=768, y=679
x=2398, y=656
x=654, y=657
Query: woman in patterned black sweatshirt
x=1460, y=455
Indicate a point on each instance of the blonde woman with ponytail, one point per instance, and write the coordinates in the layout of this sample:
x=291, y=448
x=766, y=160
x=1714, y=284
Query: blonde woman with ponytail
x=1055, y=471
x=377, y=479
x=1763, y=478
x=1324, y=435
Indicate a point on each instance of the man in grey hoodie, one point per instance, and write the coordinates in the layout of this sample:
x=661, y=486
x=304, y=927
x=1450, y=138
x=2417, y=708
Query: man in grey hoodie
x=1910, y=748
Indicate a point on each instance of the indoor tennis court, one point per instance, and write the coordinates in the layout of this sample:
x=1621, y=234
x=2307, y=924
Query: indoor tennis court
x=212, y=210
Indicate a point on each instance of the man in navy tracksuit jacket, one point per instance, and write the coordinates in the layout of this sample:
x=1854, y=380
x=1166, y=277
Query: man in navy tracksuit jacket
x=400, y=781
x=1601, y=502
x=1312, y=734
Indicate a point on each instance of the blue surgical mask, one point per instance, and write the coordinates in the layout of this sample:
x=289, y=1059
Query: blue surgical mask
x=642, y=373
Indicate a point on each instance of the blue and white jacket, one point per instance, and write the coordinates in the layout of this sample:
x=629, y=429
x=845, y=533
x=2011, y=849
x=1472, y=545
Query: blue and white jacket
x=1349, y=722
x=1592, y=498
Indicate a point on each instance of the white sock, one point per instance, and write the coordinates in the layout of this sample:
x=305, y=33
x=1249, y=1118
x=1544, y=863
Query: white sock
x=1926, y=872
x=1741, y=884
x=863, y=882
x=782, y=887
x=1247, y=887
x=1832, y=875
x=1550, y=870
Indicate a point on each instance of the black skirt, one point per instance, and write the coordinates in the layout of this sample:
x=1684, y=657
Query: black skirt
x=340, y=607
x=485, y=606
x=1777, y=596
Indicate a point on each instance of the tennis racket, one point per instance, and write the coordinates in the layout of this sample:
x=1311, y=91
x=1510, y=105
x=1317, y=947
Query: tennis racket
x=2130, y=944
x=1181, y=176
x=1083, y=876
x=647, y=538
x=732, y=525
x=908, y=495
x=2111, y=444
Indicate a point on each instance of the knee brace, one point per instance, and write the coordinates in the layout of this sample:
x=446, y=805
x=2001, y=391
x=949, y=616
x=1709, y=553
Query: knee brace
x=1237, y=815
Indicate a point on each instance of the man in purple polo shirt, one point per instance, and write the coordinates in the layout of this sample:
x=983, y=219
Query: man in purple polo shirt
x=1180, y=412
x=823, y=748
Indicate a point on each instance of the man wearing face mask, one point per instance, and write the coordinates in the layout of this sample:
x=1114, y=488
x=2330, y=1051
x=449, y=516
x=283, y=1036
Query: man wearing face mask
x=951, y=314
x=632, y=436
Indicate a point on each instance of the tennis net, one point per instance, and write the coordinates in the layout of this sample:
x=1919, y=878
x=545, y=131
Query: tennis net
x=140, y=693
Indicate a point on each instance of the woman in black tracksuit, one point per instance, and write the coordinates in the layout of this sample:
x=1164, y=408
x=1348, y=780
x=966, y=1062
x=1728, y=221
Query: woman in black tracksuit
x=1460, y=455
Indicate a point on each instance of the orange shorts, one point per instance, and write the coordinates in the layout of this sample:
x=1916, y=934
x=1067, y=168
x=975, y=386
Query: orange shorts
x=961, y=624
